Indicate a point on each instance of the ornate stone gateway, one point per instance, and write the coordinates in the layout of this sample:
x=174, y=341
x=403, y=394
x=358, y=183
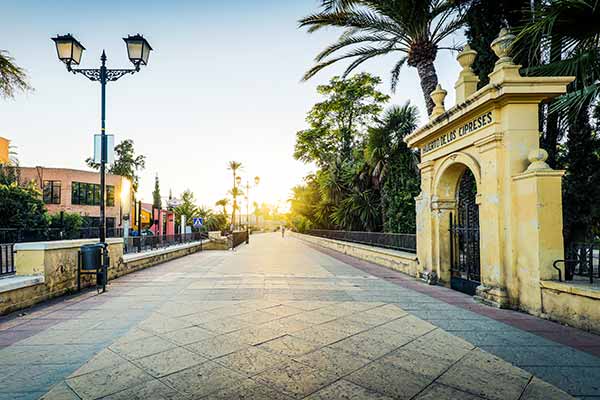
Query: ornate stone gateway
x=464, y=238
x=489, y=215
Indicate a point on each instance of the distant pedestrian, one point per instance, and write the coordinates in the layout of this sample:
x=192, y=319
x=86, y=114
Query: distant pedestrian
x=283, y=231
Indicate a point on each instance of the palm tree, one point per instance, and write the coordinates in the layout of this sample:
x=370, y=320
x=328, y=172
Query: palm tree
x=565, y=39
x=223, y=203
x=573, y=26
x=12, y=77
x=388, y=138
x=234, y=166
x=385, y=144
x=413, y=28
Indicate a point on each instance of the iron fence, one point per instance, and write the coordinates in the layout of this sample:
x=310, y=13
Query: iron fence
x=16, y=235
x=582, y=259
x=7, y=261
x=138, y=244
x=396, y=241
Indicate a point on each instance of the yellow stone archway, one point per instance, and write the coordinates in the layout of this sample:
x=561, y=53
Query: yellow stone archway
x=444, y=202
x=494, y=133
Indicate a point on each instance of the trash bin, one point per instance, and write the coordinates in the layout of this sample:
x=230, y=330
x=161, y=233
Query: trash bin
x=91, y=256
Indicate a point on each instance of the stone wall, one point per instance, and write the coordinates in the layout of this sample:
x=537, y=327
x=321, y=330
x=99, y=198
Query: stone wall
x=397, y=260
x=573, y=304
x=56, y=264
x=135, y=262
x=49, y=269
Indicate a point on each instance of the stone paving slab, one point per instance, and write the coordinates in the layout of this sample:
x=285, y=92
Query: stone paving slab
x=320, y=328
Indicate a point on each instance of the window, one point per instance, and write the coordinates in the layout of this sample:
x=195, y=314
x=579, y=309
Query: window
x=110, y=196
x=88, y=194
x=75, y=193
x=52, y=192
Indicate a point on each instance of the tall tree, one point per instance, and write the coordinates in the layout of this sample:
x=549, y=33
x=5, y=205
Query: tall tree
x=481, y=30
x=573, y=24
x=234, y=166
x=13, y=78
x=340, y=120
x=126, y=164
x=413, y=29
x=187, y=208
x=156, y=198
x=582, y=180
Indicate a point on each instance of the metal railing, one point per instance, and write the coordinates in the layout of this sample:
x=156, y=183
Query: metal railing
x=138, y=244
x=396, y=241
x=16, y=235
x=238, y=238
x=582, y=259
x=7, y=260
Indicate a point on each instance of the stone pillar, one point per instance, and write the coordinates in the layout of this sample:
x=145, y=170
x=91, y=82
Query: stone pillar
x=539, y=236
x=467, y=81
x=441, y=210
x=424, y=218
x=492, y=202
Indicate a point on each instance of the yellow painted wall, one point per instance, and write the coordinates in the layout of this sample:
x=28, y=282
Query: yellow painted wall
x=4, y=150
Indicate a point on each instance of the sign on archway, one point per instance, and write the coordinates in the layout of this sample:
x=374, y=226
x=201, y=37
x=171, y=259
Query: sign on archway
x=500, y=240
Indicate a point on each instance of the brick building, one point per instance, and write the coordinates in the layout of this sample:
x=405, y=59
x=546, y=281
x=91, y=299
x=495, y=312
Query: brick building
x=78, y=191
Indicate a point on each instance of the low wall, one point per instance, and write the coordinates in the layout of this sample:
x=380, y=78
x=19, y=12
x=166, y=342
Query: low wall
x=49, y=269
x=575, y=304
x=398, y=260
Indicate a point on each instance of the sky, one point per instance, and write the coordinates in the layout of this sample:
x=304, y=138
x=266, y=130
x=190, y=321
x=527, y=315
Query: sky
x=223, y=83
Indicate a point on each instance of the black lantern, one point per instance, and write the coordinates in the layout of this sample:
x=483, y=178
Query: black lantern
x=69, y=49
x=138, y=49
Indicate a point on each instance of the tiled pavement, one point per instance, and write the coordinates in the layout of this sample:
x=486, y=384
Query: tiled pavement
x=278, y=319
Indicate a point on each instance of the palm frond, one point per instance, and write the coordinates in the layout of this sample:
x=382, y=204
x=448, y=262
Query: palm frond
x=396, y=73
x=363, y=53
x=345, y=41
x=13, y=78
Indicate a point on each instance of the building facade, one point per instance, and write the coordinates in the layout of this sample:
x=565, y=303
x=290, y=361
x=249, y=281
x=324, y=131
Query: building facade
x=77, y=191
x=4, y=150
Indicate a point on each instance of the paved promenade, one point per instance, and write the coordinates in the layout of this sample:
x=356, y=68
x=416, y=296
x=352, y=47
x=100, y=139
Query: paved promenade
x=279, y=319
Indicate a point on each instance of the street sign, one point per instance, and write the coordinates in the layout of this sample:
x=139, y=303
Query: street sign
x=198, y=222
x=110, y=149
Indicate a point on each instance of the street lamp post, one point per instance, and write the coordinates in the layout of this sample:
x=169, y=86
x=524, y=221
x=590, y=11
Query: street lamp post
x=69, y=51
x=256, y=182
x=237, y=180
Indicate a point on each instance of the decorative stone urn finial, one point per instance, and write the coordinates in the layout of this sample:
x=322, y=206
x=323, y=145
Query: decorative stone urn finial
x=466, y=58
x=467, y=81
x=537, y=158
x=438, y=96
x=501, y=46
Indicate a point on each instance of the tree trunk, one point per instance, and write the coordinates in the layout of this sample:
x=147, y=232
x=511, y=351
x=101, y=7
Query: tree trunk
x=429, y=81
x=552, y=132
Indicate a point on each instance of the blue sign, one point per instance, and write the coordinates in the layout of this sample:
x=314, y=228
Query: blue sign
x=198, y=222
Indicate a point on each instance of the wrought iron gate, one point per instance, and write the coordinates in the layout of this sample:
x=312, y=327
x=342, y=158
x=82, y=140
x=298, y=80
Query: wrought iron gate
x=464, y=238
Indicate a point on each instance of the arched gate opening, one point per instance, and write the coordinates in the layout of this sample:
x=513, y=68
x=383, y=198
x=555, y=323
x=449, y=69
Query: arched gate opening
x=465, y=267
